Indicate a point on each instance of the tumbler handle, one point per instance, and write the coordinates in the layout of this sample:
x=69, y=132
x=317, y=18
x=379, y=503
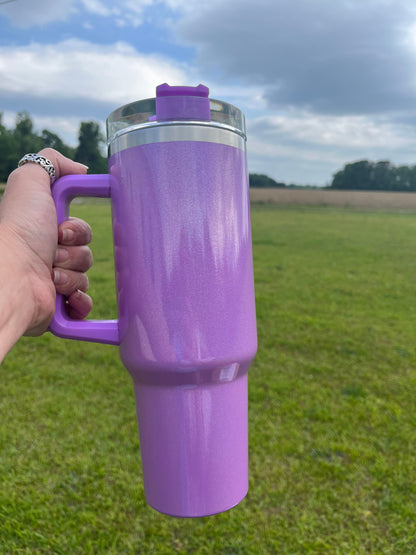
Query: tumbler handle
x=64, y=190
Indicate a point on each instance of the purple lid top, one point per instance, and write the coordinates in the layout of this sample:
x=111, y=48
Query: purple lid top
x=182, y=103
x=186, y=104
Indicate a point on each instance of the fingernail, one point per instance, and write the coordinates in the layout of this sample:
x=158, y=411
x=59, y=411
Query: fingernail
x=88, y=283
x=59, y=278
x=84, y=166
x=67, y=235
x=78, y=294
x=61, y=255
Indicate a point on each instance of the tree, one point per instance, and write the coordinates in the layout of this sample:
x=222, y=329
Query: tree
x=261, y=180
x=26, y=140
x=375, y=176
x=8, y=149
x=383, y=176
x=23, y=138
x=88, y=152
x=403, y=178
x=52, y=140
x=354, y=176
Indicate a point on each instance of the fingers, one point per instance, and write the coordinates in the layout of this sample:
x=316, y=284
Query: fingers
x=73, y=258
x=74, y=232
x=62, y=164
x=68, y=281
x=79, y=305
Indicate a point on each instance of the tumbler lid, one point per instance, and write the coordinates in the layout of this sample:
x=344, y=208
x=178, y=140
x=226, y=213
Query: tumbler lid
x=175, y=104
x=182, y=103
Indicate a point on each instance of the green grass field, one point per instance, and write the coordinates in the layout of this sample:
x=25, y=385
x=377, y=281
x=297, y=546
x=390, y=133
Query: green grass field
x=331, y=405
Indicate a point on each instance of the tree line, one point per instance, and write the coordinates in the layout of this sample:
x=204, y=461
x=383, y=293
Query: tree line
x=363, y=175
x=261, y=180
x=23, y=138
x=375, y=176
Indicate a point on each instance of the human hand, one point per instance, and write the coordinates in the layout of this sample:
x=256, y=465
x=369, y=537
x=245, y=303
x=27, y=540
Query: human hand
x=30, y=241
x=72, y=259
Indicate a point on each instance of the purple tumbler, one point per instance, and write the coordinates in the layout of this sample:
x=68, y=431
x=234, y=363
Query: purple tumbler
x=186, y=323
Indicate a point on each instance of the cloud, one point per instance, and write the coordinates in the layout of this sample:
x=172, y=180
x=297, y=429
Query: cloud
x=26, y=13
x=98, y=7
x=331, y=57
x=334, y=81
x=125, y=12
x=346, y=132
x=321, y=82
x=305, y=147
x=328, y=57
x=78, y=71
x=89, y=80
x=43, y=12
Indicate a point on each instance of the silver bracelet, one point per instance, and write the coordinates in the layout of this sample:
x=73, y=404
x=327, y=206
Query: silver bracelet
x=38, y=159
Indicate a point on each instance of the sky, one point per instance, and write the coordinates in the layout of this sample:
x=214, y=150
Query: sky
x=321, y=82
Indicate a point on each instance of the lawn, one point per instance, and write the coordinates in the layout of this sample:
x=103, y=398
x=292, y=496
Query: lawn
x=331, y=408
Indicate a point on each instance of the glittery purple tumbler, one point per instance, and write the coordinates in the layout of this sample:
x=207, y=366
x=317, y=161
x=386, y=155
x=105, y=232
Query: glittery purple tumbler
x=186, y=323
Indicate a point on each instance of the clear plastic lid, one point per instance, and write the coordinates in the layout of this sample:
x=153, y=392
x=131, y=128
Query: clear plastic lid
x=175, y=104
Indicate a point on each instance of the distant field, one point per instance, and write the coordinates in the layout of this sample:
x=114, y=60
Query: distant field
x=331, y=407
x=316, y=197
x=360, y=199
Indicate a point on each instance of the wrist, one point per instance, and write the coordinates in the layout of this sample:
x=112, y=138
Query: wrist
x=17, y=306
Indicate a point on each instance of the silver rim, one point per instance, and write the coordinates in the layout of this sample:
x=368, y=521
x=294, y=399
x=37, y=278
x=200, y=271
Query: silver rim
x=143, y=134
